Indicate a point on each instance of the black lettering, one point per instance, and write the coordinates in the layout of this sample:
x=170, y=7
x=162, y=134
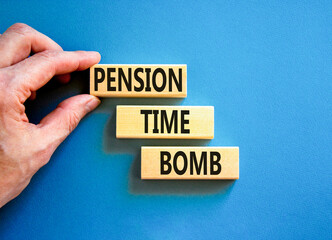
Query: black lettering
x=215, y=162
x=184, y=121
x=164, y=162
x=164, y=121
x=148, y=88
x=139, y=79
x=177, y=82
x=198, y=166
x=175, y=163
x=101, y=79
x=146, y=119
x=154, y=79
x=110, y=79
x=155, y=129
x=126, y=80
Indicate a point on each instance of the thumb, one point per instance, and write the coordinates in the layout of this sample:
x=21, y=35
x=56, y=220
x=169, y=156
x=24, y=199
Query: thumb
x=57, y=125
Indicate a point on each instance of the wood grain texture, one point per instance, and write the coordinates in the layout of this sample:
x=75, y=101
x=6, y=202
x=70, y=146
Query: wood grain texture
x=189, y=163
x=155, y=81
x=172, y=122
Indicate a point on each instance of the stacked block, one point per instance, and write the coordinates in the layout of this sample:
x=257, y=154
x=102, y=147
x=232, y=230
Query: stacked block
x=164, y=122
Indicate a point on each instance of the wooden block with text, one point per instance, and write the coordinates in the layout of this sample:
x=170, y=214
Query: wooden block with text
x=158, y=81
x=176, y=122
x=189, y=163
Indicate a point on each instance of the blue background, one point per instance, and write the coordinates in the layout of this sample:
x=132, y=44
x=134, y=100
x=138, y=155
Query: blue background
x=267, y=69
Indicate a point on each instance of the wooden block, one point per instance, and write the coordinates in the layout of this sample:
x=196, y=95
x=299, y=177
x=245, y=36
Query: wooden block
x=189, y=163
x=177, y=122
x=158, y=81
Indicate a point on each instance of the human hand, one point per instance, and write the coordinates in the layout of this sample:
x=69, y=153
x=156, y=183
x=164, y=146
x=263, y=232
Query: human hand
x=26, y=147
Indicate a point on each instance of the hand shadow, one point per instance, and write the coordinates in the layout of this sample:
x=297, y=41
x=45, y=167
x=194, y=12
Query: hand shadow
x=50, y=95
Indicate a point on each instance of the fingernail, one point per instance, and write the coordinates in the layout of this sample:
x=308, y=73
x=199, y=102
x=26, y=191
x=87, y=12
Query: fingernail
x=97, y=55
x=91, y=52
x=88, y=52
x=92, y=104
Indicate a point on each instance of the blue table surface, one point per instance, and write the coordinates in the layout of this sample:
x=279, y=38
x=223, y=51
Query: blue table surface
x=266, y=67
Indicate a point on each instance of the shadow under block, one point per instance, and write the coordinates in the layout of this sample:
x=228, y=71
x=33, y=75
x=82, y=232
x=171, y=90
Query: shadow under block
x=189, y=163
x=158, y=81
x=172, y=122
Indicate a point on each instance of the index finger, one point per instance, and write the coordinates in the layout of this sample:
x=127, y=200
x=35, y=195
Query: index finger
x=19, y=40
x=34, y=72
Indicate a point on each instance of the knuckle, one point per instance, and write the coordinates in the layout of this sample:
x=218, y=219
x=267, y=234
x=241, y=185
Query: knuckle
x=4, y=85
x=48, y=54
x=43, y=156
x=73, y=120
x=21, y=28
x=39, y=157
